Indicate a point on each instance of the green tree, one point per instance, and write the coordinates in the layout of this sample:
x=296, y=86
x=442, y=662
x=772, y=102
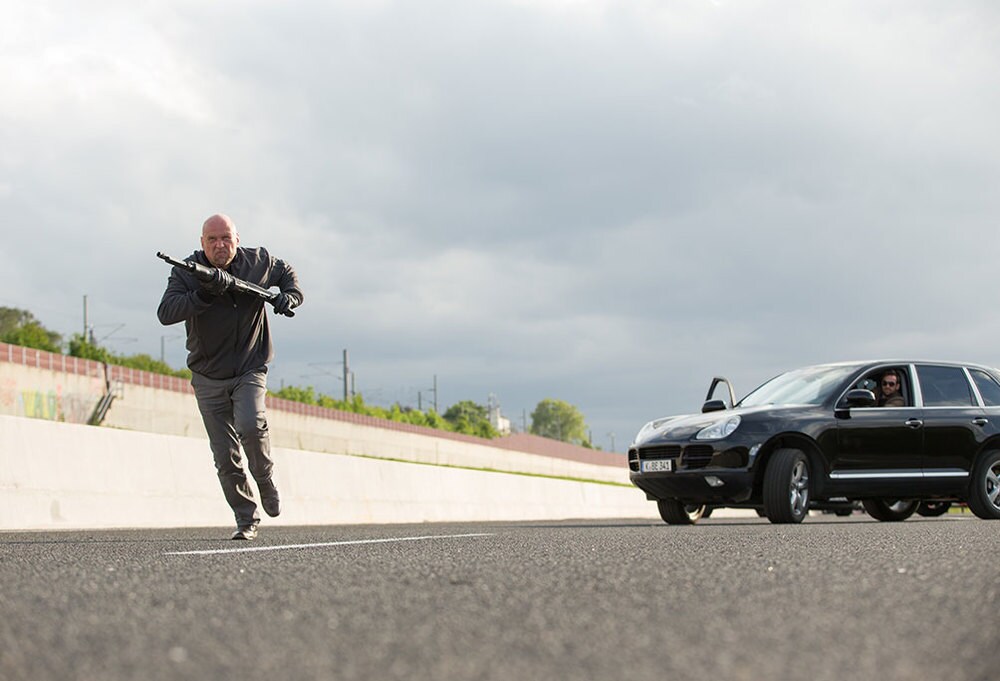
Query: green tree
x=147, y=363
x=19, y=327
x=465, y=417
x=470, y=418
x=303, y=395
x=559, y=420
x=84, y=349
x=12, y=317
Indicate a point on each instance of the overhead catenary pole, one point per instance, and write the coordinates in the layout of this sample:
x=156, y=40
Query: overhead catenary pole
x=347, y=373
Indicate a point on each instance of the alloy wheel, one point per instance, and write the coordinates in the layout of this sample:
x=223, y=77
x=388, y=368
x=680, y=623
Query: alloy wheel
x=798, y=489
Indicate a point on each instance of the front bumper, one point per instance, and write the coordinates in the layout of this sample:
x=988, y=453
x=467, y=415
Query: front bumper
x=731, y=487
x=702, y=473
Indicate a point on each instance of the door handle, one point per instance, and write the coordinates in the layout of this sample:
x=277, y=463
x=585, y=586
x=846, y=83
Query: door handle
x=914, y=423
x=980, y=421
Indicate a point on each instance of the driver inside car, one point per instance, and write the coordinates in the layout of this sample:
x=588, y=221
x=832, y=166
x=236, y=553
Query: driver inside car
x=888, y=393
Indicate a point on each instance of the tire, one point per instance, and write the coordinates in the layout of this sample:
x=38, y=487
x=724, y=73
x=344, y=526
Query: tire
x=786, y=486
x=984, y=490
x=890, y=510
x=932, y=509
x=674, y=512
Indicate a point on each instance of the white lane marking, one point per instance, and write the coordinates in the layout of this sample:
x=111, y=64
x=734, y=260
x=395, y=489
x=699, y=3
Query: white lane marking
x=249, y=549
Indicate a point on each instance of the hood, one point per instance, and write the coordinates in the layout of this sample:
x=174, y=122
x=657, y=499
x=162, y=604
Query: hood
x=685, y=427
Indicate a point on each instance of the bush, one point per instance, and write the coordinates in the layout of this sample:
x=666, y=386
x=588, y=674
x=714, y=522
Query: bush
x=81, y=347
x=467, y=416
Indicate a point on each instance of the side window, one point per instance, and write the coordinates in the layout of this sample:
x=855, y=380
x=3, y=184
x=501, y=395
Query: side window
x=944, y=387
x=988, y=387
x=884, y=396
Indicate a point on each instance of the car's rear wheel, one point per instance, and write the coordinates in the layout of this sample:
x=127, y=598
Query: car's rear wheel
x=932, y=509
x=890, y=510
x=984, y=491
x=786, y=486
x=674, y=512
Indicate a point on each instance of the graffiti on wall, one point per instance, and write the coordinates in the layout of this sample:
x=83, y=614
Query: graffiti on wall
x=8, y=387
x=51, y=405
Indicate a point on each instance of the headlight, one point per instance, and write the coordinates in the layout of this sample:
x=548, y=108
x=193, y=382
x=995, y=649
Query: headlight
x=719, y=429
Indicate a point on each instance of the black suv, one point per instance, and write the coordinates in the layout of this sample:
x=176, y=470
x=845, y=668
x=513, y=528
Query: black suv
x=817, y=438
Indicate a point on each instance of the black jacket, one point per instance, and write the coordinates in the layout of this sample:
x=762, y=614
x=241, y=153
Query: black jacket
x=227, y=335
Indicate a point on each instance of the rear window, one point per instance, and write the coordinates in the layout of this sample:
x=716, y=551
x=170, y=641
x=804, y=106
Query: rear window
x=988, y=387
x=945, y=387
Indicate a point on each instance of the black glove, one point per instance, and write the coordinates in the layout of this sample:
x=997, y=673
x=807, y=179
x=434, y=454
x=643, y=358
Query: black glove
x=220, y=282
x=283, y=303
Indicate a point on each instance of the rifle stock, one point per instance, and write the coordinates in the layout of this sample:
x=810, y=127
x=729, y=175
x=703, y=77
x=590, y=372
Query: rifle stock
x=207, y=273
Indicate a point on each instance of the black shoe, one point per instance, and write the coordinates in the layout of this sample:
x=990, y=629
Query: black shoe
x=245, y=532
x=270, y=500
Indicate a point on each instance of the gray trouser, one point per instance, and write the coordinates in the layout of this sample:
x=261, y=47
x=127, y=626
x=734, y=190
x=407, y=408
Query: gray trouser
x=233, y=412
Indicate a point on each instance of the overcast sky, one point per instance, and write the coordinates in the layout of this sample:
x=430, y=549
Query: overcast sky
x=605, y=202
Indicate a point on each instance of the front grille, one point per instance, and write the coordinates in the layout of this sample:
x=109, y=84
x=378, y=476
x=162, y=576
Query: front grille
x=687, y=458
x=661, y=452
x=697, y=456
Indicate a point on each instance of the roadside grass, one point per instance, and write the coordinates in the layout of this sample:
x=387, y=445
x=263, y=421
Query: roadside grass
x=494, y=470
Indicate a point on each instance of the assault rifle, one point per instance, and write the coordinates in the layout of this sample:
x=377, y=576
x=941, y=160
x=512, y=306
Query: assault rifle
x=208, y=273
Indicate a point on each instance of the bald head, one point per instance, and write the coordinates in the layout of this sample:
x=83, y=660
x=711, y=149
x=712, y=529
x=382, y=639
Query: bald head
x=219, y=240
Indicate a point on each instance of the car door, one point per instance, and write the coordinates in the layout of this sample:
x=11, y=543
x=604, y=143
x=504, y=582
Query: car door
x=879, y=447
x=955, y=424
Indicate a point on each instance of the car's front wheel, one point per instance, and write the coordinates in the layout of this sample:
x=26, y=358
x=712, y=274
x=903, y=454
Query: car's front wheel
x=890, y=510
x=984, y=491
x=674, y=512
x=786, y=486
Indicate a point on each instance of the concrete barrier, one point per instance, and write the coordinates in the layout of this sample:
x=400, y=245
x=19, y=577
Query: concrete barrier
x=67, y=476
x=55, y=387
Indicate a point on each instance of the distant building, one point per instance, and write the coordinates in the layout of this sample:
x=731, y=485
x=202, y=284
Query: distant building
x=500, y=423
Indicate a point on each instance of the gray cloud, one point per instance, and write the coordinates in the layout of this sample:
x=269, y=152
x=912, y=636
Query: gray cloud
x=604, y=202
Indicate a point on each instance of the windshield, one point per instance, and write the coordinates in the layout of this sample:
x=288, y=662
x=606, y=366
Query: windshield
x=811, y=385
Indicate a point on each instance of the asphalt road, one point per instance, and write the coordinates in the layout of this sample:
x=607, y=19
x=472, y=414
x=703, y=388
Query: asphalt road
x=832, y=598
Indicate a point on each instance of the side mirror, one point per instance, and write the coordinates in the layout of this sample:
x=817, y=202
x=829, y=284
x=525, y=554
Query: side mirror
x=713, y=405
x=859, y=397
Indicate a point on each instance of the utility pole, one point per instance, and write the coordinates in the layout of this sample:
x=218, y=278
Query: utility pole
x=347, y=374
x=420, y=396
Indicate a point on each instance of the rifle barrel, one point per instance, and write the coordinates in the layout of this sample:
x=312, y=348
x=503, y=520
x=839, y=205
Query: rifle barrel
x=238, y=284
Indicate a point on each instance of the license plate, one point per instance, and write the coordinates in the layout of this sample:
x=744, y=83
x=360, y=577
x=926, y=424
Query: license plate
x=658, y=466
